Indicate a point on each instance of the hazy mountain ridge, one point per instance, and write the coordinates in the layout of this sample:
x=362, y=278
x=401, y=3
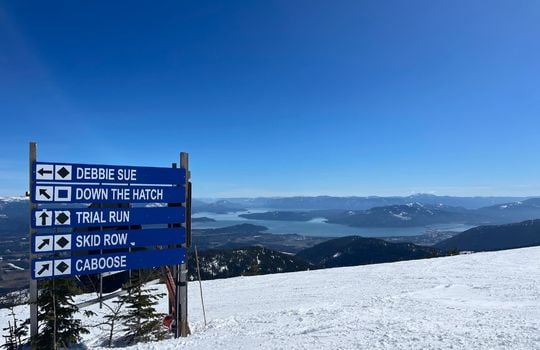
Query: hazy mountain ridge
x=219, y=207
x=363, y=203
x=414, y=215
x=495, y=237
x=356, y=250
x=246, y=261
x=409, y=215
x=513, y=211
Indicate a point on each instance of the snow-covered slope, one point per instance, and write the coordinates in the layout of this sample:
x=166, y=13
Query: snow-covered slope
x=477, y=301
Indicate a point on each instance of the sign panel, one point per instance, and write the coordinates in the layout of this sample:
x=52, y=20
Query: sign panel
x=109, y=239
x=107, y=194
x=85, y=217
x=91, y=264
x=92, y=173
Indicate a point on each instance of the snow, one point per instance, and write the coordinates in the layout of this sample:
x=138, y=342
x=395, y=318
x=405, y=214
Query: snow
x=506, y=206
x=475, y=301
x=13, y=199
x=402, y=216
x=322, y=220
x=415, y=204
x=13, y=266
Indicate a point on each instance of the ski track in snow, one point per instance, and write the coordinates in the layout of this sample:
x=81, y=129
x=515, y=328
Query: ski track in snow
x=476, y=301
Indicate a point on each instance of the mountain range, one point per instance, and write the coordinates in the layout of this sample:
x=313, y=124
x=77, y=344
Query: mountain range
x=356, y=250
x=217, y=207
x=359, y=203
x=224, y=263
x=496, y=237
x=344, y=251
x=414, y=215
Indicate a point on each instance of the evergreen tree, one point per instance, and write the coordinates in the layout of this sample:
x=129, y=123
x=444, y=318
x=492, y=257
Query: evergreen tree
x=16, y=332
x=453, y=251
x=142, y=322
x=112, y=318
x=253, y=268
x=10, y=342
x=58, y=328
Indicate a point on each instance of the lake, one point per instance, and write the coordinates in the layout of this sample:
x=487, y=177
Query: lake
x=318, y=227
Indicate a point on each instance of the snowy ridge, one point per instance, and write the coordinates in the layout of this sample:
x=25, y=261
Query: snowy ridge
x=13, y=199
x=476, y=301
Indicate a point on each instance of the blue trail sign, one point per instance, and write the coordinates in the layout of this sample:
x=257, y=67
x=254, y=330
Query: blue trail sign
x=64, y=229
x=87, y=217
x=90, y=264
x=92, y=173
x=52, y=193
x=109, y=239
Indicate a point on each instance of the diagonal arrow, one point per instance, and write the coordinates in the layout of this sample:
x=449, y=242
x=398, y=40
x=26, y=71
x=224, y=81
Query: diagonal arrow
x=44, y=267
x=43, y=218
x=43, y=192
x=43, y=171
x=44, y=243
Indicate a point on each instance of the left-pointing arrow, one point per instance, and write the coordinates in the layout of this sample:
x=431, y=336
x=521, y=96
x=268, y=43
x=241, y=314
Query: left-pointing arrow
x=43, y=192
x=43, y=171
x=44, y=243
x=44, y=267
x=43, y=218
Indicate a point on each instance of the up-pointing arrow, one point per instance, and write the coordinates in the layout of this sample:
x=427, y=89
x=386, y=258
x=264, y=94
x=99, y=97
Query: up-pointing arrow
x=43, y=192
x=43, y=218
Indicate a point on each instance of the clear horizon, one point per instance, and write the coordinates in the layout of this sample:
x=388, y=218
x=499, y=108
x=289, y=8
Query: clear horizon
x=326, y=195
x=279, y=98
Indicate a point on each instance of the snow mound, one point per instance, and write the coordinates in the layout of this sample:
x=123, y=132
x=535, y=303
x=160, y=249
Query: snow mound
x=475, y=301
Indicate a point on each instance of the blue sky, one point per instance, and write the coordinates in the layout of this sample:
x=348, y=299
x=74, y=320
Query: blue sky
x=279, y=97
